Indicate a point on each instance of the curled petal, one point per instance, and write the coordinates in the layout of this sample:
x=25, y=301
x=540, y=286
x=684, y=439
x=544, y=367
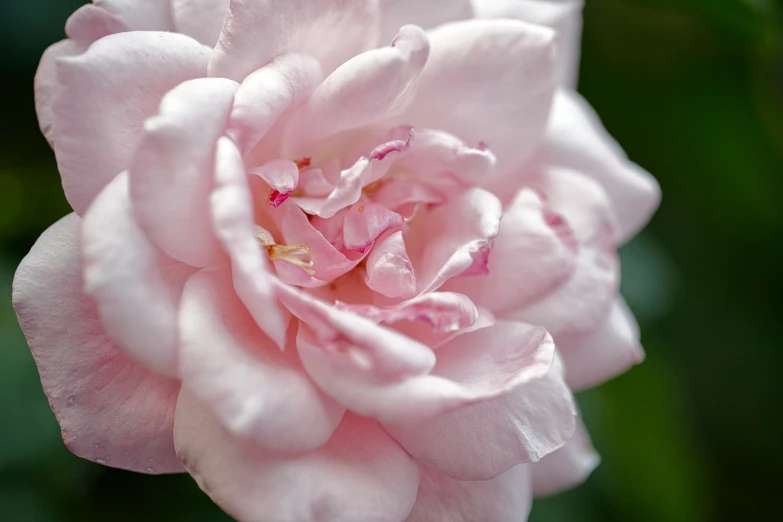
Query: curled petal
x=360, y=475
x=135, y=286
x=364, y=223
x=436, y=152
x=255, y=32
x=567, y=467
x=282, y=176
x=110, y=409
x=396, y=13
x=104, y=17
x=506, y=498
x=389, y=269
x=347, y=191
x=173, y=172
x=529, y=411
x=105, y=95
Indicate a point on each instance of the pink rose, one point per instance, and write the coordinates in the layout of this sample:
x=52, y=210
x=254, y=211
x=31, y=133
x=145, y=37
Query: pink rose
x=320, y=267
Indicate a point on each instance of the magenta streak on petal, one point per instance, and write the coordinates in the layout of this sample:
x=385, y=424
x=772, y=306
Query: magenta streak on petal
x=277, y=198
x=480, y=264
x=398, y=145
x=557, y=223
x=483, y=146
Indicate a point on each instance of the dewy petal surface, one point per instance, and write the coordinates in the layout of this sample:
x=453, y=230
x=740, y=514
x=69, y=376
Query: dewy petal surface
x=110, y=409
x=532, y=415
x=360, y=475
x=506, y=498
x=257, y=391
x=256, y=31
x=105, y=95
x=135, y=286
x=172, y=174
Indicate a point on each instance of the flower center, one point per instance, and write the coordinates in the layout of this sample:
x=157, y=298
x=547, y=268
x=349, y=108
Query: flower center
x=297, y=255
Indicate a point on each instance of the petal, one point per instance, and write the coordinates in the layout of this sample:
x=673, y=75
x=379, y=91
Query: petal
x=173, y=172
x=452, y=238
x=111, y=410
x=361, y=475
x=200, y=19
x=256, y=31
x=534, y=253
x=530, y=414
x=488, y=81
x=396, y=13
x=506, y=498
x=567, y=467
x=564, y=16
x=577, y=140
x=46, y=82
x=282, y=176
x=389, y=269
x=364, y=223
x=597, y=356
x=135, y=286
x=104, y=17
x=257, y=392
x=583, y=302
x=268, y=93
x=105, y=96
x=346, y=192
x=370, y=87
x=232, y=212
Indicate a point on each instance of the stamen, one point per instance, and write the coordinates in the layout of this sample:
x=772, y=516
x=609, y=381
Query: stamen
x=297, y=255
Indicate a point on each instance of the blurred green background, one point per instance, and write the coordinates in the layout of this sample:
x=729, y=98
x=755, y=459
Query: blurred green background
x=693, y=89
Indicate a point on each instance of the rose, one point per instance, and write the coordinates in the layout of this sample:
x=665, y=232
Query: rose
x=322, y=272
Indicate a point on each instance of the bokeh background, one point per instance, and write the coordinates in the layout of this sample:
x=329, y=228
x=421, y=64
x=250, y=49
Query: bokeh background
x=693, y=89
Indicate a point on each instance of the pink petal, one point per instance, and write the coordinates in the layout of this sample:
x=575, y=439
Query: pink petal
x=361, y=475
x=389, y=269
x=172, y=174
x=435, y=152
x=396, y=13
x=346, y=192
x=257, y=392
x=256, y=31
x=105, y=17
x=529, y=414
x=200, y=19
x=488, y=81
x=595, y=357
x=282, y=176
x=396, y=193
x=583, y=302
x=364, y=223
x=105, y=95
x=533, y=254
x=135, y=286
x=567, y=467
x=564, y=16
x=232, y=211
x=443, y=311
x=268, y=93
x=46, y=82
x=446, y=242
x=111, y=410
x=506, y=498
x=577, y=140
x=370, y=87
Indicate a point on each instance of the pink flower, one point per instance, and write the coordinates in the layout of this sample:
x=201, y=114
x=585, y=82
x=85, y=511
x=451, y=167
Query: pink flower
x=321, y=266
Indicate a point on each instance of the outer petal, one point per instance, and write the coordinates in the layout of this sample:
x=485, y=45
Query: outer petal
x=454, y=238
x=506, y=498
x=370, y=87
x=597, y=356
x=111, y=410
x=361, y=475
x=256, y=31
x=104, y=17
x=396, y=13
x=106, y=94
x=256, y=391
x=566, y=467
x=232, y=211
x=135, y=286
x=534, y=253
x=532, y=417
x=46, y=82
x=577, y=140
x=488, y=81
x=200, y=19
x=564, y=16
x=173, y=171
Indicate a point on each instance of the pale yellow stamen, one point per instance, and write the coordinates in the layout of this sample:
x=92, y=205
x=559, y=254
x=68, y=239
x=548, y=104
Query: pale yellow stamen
x=297, y=255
